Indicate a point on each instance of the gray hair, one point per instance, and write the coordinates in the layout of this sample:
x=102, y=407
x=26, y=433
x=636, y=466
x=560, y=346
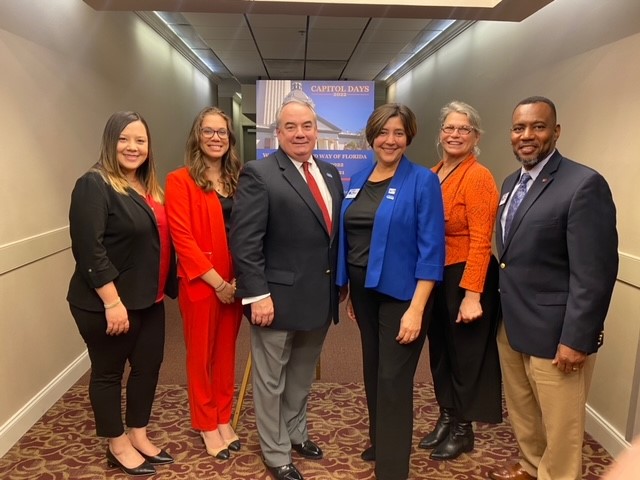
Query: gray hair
x=299, y=101
x=456, y=106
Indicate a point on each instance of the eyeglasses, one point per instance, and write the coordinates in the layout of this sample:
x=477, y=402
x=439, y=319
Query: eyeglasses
x=210, y=132
x=463, y=130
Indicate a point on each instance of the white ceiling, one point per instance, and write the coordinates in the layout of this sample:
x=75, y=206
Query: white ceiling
x=242, y=41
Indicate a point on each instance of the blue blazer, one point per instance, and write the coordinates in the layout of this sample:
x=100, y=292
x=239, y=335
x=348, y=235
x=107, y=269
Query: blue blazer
x=407, y=241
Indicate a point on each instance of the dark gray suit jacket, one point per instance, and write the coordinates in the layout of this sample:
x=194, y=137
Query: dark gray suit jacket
x=280, y=244
x=560, y=260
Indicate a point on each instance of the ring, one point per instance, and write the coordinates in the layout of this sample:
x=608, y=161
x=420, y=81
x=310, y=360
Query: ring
x=574, y=368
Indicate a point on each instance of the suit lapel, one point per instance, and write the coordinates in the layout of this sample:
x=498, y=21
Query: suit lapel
x=539, y=186
x=508, y=186
x=141, y=202
x=294, y=178
x=384, y=213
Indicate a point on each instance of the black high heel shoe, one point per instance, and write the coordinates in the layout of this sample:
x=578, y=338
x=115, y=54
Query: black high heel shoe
x=145, y=468
x=162, y=458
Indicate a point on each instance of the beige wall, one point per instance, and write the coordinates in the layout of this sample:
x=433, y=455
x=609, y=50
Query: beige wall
x=583, y=54
x=65, y=69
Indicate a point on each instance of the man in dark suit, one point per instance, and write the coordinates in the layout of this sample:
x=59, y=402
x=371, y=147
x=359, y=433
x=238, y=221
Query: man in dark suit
x=557, y=246
x=283, y=241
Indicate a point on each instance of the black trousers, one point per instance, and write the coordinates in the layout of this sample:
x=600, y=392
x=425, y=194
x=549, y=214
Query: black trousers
x=464, y=356
x=142, y=346
x=389, y=368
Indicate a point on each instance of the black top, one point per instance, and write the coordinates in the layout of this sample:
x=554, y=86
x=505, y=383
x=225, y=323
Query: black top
x=358, y=221
x=227, y=206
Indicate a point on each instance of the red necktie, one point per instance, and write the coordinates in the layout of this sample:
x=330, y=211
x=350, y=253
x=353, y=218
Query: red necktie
x=315, y=191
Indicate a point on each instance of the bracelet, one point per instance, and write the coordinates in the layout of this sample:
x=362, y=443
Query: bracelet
x=220, y=287
x=111, y=305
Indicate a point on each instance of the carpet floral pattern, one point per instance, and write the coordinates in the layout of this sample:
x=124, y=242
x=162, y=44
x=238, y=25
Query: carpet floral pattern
x=62, y=445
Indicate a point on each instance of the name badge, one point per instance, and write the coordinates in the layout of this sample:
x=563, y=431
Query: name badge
x=391, y=194
x=352, y=193
x=503, y=200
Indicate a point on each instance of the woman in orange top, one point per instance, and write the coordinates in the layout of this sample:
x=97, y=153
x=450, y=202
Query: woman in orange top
x=199, y=202
x=462, y=333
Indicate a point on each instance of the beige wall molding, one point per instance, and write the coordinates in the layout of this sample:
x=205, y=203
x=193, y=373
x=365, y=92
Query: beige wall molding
x=28, y=250
x=629, y=270
x=32, y=411
x=611, y=439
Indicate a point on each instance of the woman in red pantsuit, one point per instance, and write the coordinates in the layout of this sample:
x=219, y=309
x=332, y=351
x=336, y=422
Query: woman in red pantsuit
x=199, y=202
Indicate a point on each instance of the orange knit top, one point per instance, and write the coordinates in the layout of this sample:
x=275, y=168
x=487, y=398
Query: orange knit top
x=470, y=199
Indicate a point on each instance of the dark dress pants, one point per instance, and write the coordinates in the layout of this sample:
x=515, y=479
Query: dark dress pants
x=389, y=368
x=142, y=346
x=464, y=356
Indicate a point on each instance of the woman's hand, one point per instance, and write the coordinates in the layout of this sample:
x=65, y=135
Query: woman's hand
x=117, y=319
x=226, y=294
x=410, y=326
x=470, y=308
x=351, y=313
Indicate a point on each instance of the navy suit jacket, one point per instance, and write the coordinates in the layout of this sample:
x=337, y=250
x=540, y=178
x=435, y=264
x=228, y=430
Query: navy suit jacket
x=559, y=262
x=280, y=243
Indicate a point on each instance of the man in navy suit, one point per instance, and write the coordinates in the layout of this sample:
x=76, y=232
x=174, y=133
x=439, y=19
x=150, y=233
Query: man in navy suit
x=557, y=247
x=283, y=242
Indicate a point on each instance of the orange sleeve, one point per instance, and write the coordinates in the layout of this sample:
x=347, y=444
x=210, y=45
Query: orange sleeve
x=481, y=200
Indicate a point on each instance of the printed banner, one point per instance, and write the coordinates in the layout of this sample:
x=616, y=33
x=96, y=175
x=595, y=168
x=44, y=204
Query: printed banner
x=342, y=108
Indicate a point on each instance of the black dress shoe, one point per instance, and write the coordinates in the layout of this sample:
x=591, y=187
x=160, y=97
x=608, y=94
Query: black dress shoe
x=441, y=430
x=145, y=468
x=285, y=472
x=162, y=458
x=368, y=455
x=459, y=441
x=308, y=449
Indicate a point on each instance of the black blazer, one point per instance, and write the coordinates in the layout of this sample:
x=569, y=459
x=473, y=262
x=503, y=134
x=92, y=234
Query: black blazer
x=114, y=237
x=280, y=243
x=559, y=262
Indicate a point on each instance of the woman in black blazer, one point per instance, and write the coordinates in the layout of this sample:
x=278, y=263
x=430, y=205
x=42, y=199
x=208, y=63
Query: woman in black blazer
x=124, y=267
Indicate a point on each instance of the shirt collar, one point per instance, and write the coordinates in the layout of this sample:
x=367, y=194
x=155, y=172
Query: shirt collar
x=535, y=171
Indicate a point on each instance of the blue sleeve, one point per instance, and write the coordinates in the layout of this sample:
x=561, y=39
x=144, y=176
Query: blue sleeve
x=430, y=229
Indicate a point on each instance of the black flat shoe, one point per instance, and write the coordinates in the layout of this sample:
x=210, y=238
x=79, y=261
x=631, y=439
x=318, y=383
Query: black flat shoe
x=285, y=472
x=308, y=449
x=162, y=458
x=369, y=454
x=145, y=468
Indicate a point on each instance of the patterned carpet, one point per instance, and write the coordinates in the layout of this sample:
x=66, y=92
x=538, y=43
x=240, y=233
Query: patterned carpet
x=62, y=445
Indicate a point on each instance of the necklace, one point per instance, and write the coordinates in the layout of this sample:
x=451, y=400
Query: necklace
x=443, y=175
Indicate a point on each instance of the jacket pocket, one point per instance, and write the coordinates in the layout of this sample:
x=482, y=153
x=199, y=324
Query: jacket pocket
x=552, y=298
x=283, y=277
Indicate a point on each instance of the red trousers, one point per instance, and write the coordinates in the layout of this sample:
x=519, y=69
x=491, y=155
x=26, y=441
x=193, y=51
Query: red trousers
x=210, y=332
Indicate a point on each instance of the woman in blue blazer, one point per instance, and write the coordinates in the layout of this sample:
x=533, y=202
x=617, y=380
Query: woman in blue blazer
x=391, y=253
